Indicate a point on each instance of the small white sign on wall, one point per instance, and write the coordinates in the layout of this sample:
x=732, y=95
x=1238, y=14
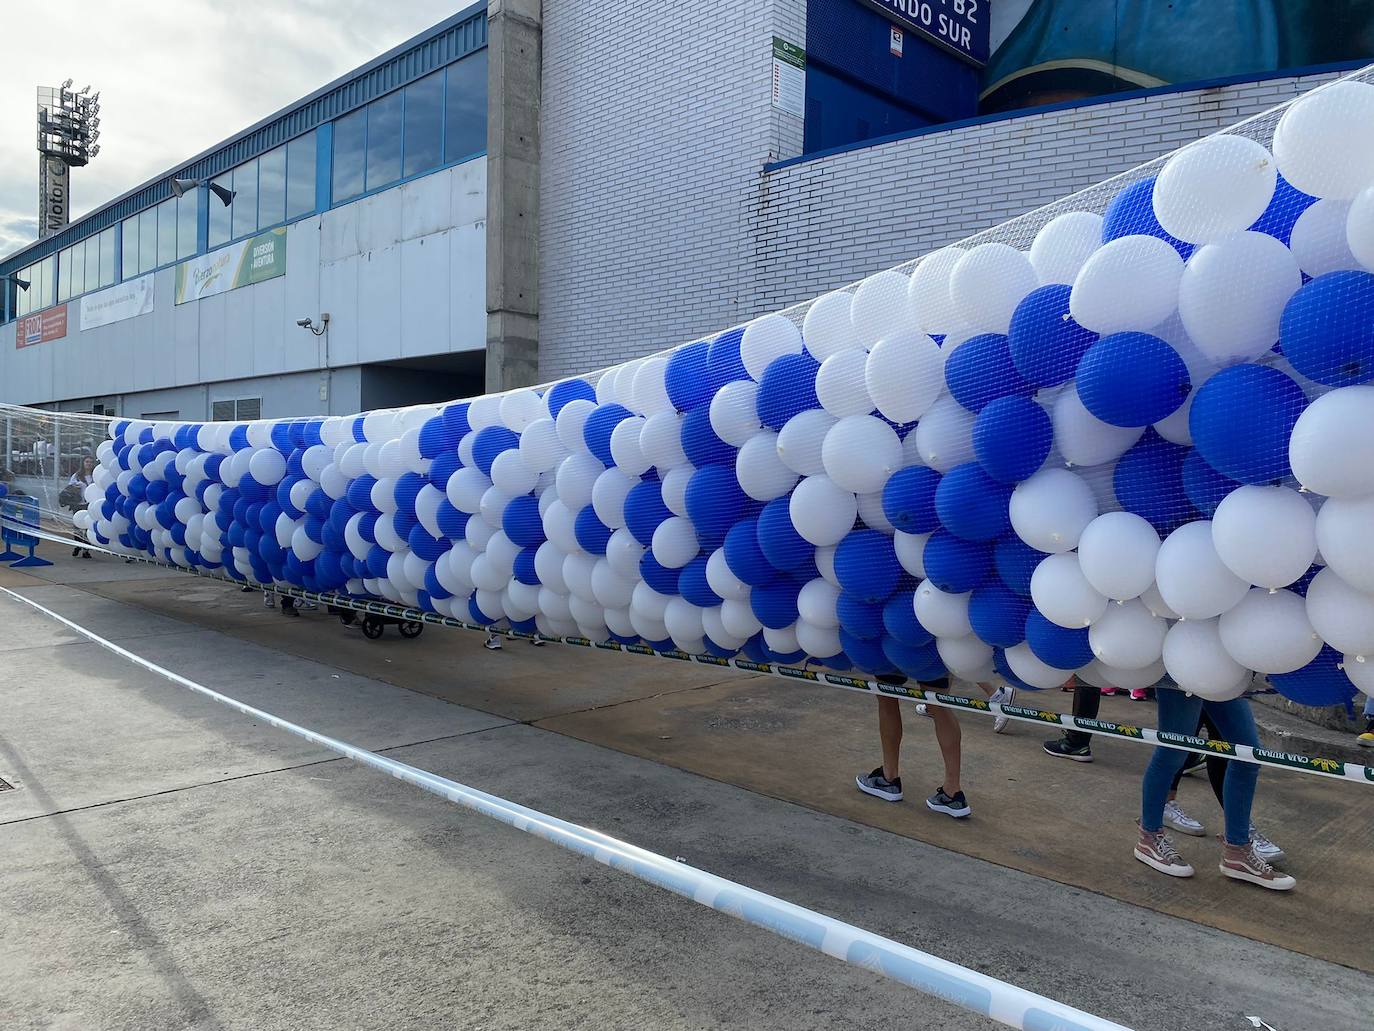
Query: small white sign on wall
x=124, y=301
x=789, y=77
x=896, y=42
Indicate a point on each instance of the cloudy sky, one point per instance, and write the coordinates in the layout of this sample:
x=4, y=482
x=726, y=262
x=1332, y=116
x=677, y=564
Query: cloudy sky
x=175, y=77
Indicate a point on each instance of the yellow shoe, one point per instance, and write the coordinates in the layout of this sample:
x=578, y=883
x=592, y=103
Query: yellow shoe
x=1366, y=739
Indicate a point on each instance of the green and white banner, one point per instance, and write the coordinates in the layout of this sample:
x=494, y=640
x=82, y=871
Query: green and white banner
x=254, y=260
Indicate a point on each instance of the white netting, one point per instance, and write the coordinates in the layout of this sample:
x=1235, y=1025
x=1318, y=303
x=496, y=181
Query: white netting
x=1027, y=455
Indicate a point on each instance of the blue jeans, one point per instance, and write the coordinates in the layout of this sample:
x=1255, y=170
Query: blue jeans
x=1369, y=705
x=1178, y=713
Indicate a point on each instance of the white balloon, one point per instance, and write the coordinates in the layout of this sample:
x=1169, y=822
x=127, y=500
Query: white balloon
x=675, y=542
x=1154, y=601
x=512, y=473
x=609, y=492
x=1063, y=595
x=305, y=549
x=572, y=419
x=932, y=307
x=1174, y=426
x=761, y=473
x=1063, y=245
x=552, y=605
x=714, y=626
x=577, y=574
x=559, y=527
x=860, y=453
x=626, y=449
x=1360, y=671
x=988, y=283
x=1192, y=579
x=674, y=487
x=1344, y=539
x=783, y=640
x=1029, y=667
x=825, y=564
x=384, y=495
x=720, y=579
x=738, y=618
x=576, y=475
x=1342, y=615
x=683, y=620
x=1050, y=510
x=539, y=445
x=1269, y=632
x=905, y=374
x=801, y=439
x=465, y=489
x=548, y=566
x=1130, y=283
x=1323, y=143
x=1232, y=294
x=734, y=412
x=880, y=306
x=623, y=553
x=649, y=393
x=818, y=642
x=611, y=589
x=1265, y=535
x=827, y=328
x=370, y=456
x=816, y=603
x=493, y=505
x=840, y=385
x=965, y=656
x=519, y=408
x=1332, y=446
x=1127, y=679
x=1215, y=187
x=1199, y=663
x=871, y=512
x=944, y=437
x=1127, y=636
x=942, y=613
x=822, y=511
x=911, y=549
x=1117, y=554
x=1319, y=242
x=661, y=440
x=1359, y=228
x=767, y=338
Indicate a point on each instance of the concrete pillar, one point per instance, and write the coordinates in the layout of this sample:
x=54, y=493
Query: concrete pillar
x=514, y=47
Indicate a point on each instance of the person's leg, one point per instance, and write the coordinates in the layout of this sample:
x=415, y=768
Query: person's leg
x=1234, y=722
x=1366, y=736
x=1216, y=766
x=890, y=735
x=1075, y=744
x=950, y=738
x=1178, y=713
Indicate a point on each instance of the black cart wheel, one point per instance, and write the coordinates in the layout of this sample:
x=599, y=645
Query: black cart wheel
x=411, y=630
x=373, y=628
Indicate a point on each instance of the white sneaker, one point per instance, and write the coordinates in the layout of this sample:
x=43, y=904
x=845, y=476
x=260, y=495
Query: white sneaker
x=492, y=644
x=1266, y=849
x=1175, y=817
x=269, y=601
x=1002, y=696
x=922, y=709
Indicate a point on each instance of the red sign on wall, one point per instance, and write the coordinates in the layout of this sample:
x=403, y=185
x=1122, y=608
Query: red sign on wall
x=41, y=327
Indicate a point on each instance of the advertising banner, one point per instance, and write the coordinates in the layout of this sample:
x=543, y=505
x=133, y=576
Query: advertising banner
x=117, y=303
x=40, y=327
x=254, y=260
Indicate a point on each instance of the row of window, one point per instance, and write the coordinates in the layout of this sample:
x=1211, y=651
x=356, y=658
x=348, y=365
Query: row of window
x=435, y=121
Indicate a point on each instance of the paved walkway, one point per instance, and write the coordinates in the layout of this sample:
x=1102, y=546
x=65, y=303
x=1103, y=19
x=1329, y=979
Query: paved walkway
x=166, y=863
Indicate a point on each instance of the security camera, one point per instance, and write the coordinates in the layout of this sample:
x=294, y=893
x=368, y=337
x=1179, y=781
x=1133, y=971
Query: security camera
x=304, y=323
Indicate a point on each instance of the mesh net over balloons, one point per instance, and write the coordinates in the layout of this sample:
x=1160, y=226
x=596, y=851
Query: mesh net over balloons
x=1128, y=436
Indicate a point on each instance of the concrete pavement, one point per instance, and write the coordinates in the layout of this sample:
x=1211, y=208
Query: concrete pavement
x=166, y=863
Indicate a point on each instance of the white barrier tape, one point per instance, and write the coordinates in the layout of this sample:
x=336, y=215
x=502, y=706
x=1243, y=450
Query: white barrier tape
x=998, y=1000
x=1336, y=769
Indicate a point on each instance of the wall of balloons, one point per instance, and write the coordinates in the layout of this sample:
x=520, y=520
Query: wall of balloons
x=1144, y=446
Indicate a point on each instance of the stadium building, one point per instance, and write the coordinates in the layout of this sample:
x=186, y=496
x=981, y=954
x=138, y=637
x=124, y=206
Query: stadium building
x=529, y=190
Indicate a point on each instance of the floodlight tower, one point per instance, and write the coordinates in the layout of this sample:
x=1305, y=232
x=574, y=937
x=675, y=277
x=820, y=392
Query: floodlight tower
x=68, y=128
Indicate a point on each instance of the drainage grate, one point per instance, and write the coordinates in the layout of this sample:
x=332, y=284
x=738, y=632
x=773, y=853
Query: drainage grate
x=5, y=785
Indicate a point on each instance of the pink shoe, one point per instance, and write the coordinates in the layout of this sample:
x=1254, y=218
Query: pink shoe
x=1138, y=694
x=1108, y=690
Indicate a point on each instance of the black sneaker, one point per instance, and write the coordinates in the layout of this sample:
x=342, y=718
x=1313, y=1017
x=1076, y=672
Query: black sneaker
x=954, y=805
x=1195, y=761
x=878, y=786
x=1061, y=749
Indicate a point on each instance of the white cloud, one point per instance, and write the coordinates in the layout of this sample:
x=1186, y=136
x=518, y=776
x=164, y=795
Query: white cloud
x=175, y=78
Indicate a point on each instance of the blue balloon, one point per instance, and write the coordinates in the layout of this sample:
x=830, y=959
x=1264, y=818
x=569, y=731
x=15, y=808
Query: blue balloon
x=319, y=504
x=744, y=557
x=1057, y=646
x=1132, y=379
x=525, y=572
x=452, y=523
x=866, y=565
x=899, y=620
x=597, y=430
x=714, y=503
x=1241, y=420
x=522, y=522
x=699, y=440
x=238, y=437
x=1320, y=683
x=723, y=361
x=909, y=499
x=863, y=619
x=314, y=529
x=1326, y=329
x=436, y=437
x=693, y=585
x=1012, y=438
x=775, y=604
x=644, y=510
x=456, y=419
x=956, y=565
x=569, y=390
x=443, y=467
x=1203, y=485
x=359, y=494
x=980, y=370
x=658, y=576
x=921, y=663
x=339, y=513
x=280, y=435
x=781, y=544
x=686, y=376
x=490, y=442
x=973, y=505
x=427, y=547
x=1148, y=481
x=1044, y=341
x=377, y=558
x=1283, y=211
x=866, y=655
x=1016, y=561
x=592, y=533
x=998, y=616
x=477, y=615
x=787, y=388
x=1003, y=667
x=367, y=527
x=1132, y=213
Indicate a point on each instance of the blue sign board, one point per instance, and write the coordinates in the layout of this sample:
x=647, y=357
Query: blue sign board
x=959, y=26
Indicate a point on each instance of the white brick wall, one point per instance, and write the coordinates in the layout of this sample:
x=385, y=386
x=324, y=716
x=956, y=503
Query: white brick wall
x=658, y=224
